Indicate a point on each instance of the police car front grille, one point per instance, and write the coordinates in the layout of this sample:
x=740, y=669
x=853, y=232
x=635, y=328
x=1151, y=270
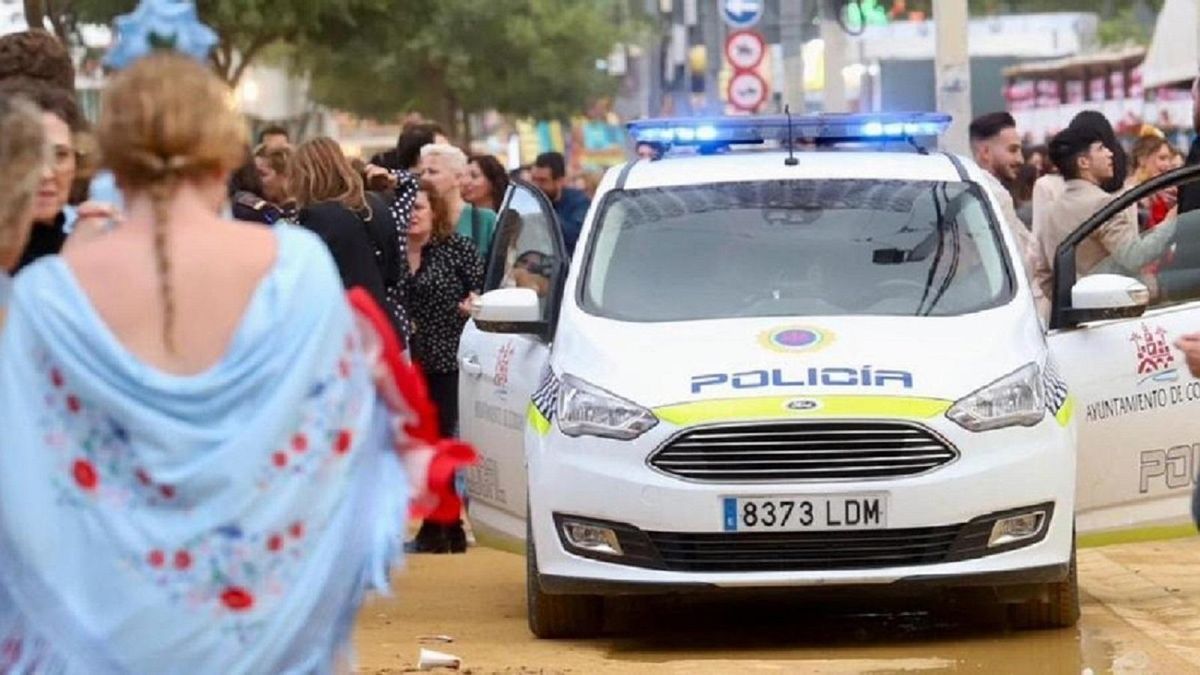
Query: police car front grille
x=803, y=451
x=804, y=551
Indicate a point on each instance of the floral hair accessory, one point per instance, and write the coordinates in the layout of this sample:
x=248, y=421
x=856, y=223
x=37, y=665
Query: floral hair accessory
x=160, y=24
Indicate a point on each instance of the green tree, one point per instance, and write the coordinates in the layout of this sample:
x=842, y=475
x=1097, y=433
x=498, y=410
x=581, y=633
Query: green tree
x=451, y=58
x=245, y=27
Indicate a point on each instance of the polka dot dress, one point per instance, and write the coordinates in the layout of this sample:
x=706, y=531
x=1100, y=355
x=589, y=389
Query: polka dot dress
x=450, y=269
x=401, y=209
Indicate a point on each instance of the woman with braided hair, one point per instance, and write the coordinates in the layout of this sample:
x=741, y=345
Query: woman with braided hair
x=199, y=468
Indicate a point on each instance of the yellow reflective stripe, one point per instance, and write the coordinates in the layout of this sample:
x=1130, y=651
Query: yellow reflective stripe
x=774, y=407
x=1065, y=413
x=1154, y=533
x=538, y=421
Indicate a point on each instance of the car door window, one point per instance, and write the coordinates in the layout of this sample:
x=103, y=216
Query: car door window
x=524, y=250
x=1149, y=241
x=1138, y=234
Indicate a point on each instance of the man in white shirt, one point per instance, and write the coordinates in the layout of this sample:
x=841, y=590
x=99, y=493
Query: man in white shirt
x=996, y=146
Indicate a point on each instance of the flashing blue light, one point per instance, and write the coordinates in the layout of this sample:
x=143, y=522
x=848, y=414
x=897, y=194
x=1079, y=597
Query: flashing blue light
x=805, y=128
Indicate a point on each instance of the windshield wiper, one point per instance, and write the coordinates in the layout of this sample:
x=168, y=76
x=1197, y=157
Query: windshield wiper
x=952, y=214
x=937, y=256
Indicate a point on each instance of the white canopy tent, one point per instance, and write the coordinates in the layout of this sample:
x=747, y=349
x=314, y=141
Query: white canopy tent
x=1173, y=56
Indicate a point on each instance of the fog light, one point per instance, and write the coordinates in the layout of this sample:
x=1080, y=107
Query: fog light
x=592, y=538
x=1017, y=528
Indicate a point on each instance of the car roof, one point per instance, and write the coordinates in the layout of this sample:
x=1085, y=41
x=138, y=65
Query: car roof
x=751, y=166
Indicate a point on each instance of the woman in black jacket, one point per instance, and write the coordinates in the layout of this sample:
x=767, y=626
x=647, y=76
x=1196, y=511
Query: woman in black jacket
x=358, y=227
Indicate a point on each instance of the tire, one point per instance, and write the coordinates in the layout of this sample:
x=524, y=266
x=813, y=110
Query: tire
x=1060, y=609
x=558, y=616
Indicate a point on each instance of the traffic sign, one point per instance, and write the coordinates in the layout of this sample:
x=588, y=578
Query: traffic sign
x=744, y=49
x=747, y=91
x=741, y=13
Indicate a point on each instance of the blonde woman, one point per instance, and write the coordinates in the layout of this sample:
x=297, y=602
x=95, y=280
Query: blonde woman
x=22, y=156
x=1152, y=156
x=197, y=473
x=357, y=226
x=444, y=167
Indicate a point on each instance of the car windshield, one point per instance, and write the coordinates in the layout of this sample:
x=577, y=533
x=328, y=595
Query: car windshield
x=795, y=248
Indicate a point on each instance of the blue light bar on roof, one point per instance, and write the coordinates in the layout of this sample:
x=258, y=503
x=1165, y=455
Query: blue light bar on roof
x=754, y=130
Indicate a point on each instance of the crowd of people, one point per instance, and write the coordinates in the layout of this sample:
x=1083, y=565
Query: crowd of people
x=135, y=253
x=201, y=373
x=226, y=374
x=1047, y=191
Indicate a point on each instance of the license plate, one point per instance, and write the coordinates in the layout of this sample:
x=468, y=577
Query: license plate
x=809, y=513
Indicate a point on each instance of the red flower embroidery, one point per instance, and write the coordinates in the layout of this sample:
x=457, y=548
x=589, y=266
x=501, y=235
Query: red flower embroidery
x=73, y=404
x=274, y=543
x=143, y=477
x=85, y=474
x=279, y=459
x=56, y=379
x=296, y=530
x=344, y=368
x=299, y=442
x=11, y=652
x=167, y=492
x=183, y=560
x=342, y=445
x=156, y=558
x=238, y=599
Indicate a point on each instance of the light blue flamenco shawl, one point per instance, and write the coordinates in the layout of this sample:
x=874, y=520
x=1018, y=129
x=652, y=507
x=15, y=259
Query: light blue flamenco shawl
x=227, y=522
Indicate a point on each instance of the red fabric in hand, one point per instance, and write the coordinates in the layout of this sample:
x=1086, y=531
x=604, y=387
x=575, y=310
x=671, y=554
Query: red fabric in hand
x=405, y=391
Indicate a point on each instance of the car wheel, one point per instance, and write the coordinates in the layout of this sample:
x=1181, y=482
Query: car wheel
x=1059, y=609
x=558, y=616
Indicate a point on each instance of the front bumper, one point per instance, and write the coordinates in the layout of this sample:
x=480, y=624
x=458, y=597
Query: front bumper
x=918, y=584
x=997, y=472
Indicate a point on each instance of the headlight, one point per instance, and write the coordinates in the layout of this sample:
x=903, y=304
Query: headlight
x=1014, y=400
x=585, y=409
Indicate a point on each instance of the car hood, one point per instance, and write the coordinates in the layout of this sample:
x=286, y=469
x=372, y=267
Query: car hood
x=659, y=364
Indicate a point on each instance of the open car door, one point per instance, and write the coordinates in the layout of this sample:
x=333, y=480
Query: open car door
x=1136, y=402
x=499, y=371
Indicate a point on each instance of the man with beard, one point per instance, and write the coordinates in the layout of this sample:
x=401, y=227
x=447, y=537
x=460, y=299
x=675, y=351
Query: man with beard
x=996, y=146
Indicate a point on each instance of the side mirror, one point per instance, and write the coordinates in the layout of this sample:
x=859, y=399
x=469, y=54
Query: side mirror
x=512, y=311
x=1103, y=297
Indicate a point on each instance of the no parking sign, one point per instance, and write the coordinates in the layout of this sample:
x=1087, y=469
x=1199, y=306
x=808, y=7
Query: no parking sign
x=747, y=90
x=744, y=49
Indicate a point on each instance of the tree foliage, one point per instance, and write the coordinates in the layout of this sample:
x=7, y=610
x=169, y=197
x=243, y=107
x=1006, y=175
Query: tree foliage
x=245, y=27
x=450, y=58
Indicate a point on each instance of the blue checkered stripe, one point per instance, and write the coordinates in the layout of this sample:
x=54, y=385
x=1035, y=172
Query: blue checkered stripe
x=1055, y=388
x=545, y=399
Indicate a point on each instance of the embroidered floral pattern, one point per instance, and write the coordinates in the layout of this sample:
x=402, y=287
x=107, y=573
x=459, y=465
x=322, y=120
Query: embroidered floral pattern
x=233, y=568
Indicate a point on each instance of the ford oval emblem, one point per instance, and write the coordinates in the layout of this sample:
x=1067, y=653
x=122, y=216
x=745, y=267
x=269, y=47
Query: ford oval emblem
x=803, y=404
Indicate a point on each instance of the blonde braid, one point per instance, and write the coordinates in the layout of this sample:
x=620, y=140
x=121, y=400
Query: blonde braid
x=167, y=121
x=161, y=192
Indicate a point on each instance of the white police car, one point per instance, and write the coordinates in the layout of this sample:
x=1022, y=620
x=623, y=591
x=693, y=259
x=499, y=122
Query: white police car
x=762, y=369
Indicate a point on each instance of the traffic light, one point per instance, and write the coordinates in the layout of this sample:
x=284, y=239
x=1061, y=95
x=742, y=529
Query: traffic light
x=866, y=13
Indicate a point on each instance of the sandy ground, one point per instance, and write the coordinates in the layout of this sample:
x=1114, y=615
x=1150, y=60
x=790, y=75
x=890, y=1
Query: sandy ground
x=1141, y=614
